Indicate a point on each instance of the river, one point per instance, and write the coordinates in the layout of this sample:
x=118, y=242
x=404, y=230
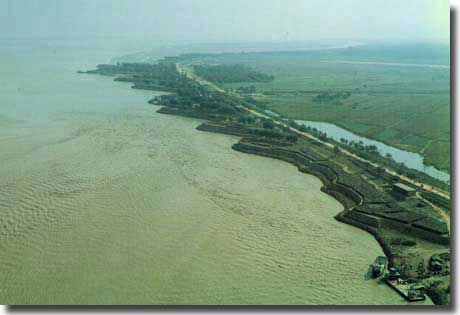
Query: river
x=104, y=201
x=410, y=159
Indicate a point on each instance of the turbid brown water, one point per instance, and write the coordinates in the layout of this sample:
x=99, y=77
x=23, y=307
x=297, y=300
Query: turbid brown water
x=104, y=201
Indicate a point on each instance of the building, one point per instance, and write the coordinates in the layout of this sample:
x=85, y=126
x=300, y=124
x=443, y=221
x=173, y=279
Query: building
x=394, y=274
x=404, y=190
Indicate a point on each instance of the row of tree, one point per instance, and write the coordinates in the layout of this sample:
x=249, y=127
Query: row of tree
x=231, y=73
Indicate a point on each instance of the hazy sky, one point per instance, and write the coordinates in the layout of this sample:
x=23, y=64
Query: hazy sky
x=178, y=21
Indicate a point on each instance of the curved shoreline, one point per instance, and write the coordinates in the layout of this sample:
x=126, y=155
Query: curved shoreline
x=350, y=198
x=329, y=186
x=366, y=190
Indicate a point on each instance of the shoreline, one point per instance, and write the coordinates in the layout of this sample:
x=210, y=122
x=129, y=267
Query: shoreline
x=326, y=183
x=330, y=187
x=401, y=226
x=346, y=195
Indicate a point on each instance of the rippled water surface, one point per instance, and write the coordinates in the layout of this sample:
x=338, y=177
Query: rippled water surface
x=104, y=201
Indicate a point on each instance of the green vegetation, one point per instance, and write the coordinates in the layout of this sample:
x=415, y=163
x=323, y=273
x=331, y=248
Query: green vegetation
x=191, y=98
x=365, y=190
x=164, y=76
x=370, y=153
x=405, y=106
x=331, y=98
x=231, y=74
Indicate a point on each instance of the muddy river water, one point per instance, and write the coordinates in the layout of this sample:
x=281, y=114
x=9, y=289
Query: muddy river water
x=104, y=201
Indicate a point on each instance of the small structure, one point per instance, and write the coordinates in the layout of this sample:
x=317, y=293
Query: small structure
x=378, y=266
x=404, y=190
x=411, y=292
x=415, y=294
x=155, y=100
x=394, y=274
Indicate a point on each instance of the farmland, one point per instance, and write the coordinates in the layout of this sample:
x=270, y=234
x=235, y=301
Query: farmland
x=398, y=95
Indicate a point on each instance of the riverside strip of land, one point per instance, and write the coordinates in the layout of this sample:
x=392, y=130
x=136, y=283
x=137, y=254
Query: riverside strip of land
x=402, y=214
x=355, y=96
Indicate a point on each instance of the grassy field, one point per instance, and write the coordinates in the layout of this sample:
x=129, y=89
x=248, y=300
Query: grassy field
x=404, y=105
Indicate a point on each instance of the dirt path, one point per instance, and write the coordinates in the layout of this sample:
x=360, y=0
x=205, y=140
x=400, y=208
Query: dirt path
x=445, y=216
x=426, y=147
